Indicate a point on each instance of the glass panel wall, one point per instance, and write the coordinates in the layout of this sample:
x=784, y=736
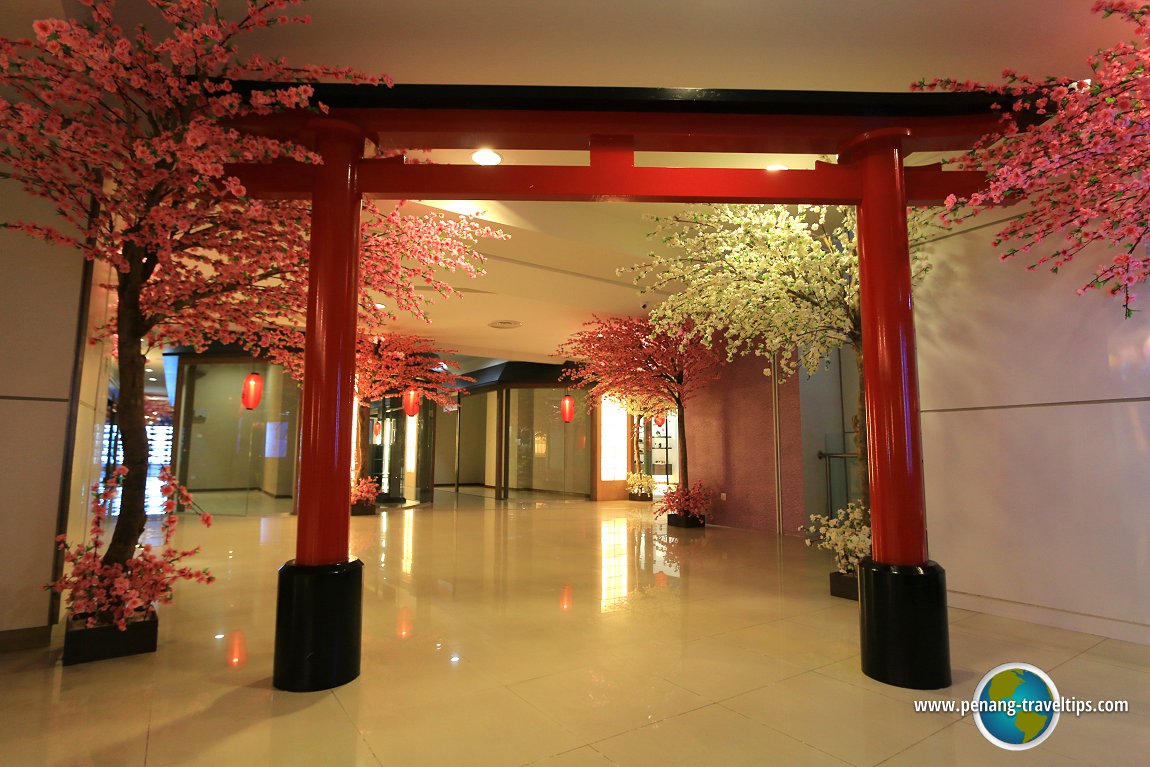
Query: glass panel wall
x=546, y=454
x=236, y=461
x=400, y=455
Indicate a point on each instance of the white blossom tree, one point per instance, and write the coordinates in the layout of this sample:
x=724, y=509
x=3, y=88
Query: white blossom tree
x=772, y=280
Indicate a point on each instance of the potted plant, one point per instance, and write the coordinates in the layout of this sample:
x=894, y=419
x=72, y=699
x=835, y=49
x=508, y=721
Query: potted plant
x=647, y=370
x=640, y=486
x=685, y=506
x=846, y=534
x=363, y=494
x=111, y=607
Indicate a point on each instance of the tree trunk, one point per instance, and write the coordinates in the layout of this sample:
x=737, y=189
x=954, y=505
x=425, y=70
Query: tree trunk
x=133, y=428
x=861, y=432
x=363, y=444
x=681, y=413
x=636, y=437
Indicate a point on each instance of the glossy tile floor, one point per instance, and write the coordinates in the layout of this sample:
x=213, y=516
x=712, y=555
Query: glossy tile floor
x=553, y=633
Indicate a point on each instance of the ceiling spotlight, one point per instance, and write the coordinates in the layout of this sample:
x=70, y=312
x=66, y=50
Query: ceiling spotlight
x=486, y=157
x=505, y=324
x=778, y=166
x=151, y=378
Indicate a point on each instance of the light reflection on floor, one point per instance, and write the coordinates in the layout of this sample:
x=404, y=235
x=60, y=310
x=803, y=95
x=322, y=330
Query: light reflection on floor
x=558, y=634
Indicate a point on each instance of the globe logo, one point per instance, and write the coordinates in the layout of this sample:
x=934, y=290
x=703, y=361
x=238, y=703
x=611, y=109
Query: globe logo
x=1016, y=706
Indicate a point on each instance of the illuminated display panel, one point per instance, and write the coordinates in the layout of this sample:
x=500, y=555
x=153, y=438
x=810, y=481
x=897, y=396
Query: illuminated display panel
x=612, y=441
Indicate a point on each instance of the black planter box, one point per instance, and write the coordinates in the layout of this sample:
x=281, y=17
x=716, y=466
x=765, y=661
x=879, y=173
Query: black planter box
x=845, y=585
x=362, y=508
x=685, y=520
x=638, y=496
x=83, y=644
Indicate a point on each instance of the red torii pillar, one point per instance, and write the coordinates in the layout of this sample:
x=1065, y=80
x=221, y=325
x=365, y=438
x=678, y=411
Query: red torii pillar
x=902, y=594
x=319, y=605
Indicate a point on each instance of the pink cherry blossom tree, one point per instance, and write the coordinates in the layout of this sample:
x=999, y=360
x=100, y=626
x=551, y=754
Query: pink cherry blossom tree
x=390, y=364
x=650, y=371
x=398, y=254
x=1076, y=151
x=128, y=135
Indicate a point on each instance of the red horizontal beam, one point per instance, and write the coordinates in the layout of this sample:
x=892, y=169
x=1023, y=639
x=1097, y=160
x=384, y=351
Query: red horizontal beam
x=930, y=185
x=827, y=185
x=616, y=182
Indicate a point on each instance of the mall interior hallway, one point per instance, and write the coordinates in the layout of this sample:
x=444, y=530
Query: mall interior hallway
x=547, y=633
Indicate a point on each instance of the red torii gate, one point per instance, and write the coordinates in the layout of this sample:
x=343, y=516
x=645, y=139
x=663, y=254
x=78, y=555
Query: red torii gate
x=902, y=593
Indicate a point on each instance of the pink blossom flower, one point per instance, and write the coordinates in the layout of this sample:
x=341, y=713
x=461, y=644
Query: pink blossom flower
x=113, y=592
x=1082, y=168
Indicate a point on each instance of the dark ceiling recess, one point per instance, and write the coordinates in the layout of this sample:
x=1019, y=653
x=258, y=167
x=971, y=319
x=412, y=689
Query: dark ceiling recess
x=667, y=100
x=516, y=374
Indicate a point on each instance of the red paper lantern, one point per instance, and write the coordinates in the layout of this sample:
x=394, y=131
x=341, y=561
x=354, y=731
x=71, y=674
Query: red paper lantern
x=660, y=420
x=253, y=389
x=567, y=408
x=411, y=402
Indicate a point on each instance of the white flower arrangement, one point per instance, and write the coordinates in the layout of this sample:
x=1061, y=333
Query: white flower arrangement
x=769, y=279
x=640, y=484
x=846, y=535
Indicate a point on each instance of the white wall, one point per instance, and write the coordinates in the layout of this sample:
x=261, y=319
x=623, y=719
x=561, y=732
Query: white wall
x=1036, y=436
x=39, y=316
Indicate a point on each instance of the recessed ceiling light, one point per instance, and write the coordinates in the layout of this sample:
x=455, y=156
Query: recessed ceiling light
x=777, y=166
x=505, y=324
x=486, y=157
x=152, y=378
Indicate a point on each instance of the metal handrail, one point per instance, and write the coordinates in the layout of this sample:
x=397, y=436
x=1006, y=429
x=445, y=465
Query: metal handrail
x=823, y=455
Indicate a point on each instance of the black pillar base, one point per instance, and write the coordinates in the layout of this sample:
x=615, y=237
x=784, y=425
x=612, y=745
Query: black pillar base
x=903, y=624
x=319, y=614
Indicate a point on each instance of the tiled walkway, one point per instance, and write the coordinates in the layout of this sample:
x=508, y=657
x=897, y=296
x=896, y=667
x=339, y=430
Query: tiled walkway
x=560, y=634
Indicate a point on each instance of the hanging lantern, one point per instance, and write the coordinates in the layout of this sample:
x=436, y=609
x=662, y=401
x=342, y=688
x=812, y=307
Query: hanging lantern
x=253, y=389
x=411, y=402
x=660, y=420
x=567, y=408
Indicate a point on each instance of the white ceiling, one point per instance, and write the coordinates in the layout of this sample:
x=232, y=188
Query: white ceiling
x=852, y=45
x=559, y=265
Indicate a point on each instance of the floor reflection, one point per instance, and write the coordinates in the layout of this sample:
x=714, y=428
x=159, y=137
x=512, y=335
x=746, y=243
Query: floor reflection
x=541, y=633
x=471, y=550
x=223, y=503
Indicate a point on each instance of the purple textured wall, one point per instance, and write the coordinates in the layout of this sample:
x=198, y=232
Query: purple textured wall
x=730, y=441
